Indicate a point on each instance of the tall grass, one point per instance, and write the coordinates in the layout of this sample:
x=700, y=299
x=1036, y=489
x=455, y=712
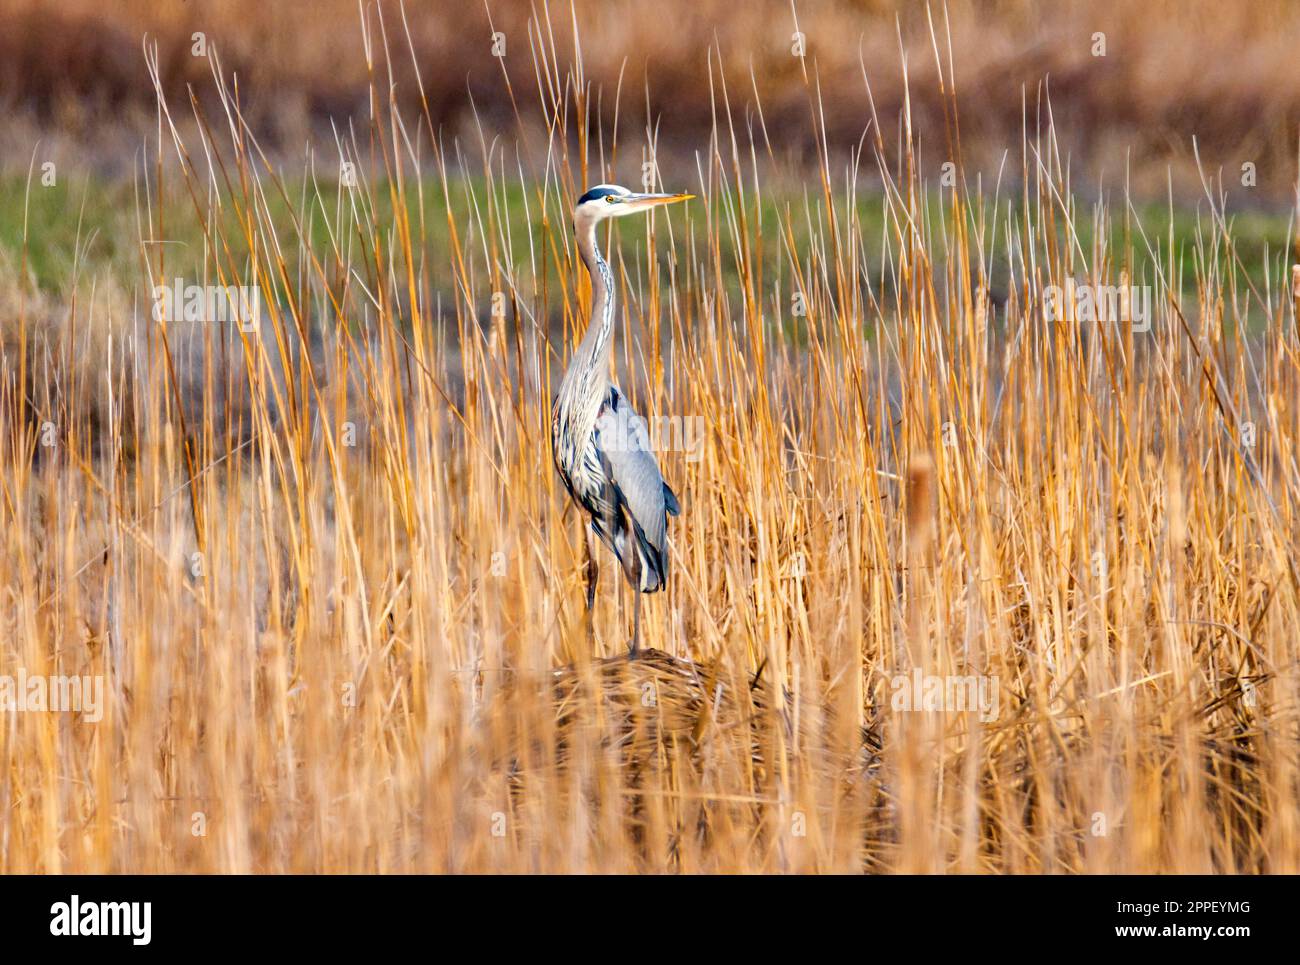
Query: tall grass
x=336, y=592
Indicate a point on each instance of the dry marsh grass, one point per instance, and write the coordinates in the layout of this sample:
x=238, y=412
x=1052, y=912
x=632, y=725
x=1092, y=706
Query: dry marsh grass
x=335, y=590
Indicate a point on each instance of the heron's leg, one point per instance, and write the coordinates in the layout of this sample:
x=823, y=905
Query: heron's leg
x=634, y=584
x=593, y=570
x=636, y=625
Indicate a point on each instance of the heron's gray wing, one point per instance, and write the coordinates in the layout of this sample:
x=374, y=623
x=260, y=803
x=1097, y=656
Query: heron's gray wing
x=630, y=467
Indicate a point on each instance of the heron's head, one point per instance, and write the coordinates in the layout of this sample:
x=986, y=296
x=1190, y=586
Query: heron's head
x=613, y=201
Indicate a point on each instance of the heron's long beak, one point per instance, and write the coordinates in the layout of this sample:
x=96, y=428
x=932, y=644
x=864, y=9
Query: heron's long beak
x=640, y=202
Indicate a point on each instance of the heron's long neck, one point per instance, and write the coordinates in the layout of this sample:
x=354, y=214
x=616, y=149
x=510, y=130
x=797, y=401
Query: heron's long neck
x=590, y=357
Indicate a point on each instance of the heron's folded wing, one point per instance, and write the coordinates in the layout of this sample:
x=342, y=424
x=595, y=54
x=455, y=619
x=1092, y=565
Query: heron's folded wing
x=624, y=443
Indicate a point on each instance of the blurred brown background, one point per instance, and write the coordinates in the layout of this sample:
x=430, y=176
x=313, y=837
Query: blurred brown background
x=72, y=73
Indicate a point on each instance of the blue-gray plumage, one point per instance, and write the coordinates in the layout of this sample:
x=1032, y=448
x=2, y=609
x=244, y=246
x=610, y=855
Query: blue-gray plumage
x=600, y=445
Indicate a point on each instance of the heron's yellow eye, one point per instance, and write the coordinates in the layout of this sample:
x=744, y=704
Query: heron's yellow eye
x=610, y=199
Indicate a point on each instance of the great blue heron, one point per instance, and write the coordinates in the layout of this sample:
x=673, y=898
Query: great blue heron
x=599, y=444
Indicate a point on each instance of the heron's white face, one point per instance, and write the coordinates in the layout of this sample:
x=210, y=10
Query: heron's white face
x=614, y=201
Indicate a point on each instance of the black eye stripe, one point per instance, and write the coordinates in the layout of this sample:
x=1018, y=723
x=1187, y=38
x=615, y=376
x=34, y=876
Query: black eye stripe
x=595, y=194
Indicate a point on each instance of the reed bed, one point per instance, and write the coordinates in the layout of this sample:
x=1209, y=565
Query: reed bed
x=334, y=590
